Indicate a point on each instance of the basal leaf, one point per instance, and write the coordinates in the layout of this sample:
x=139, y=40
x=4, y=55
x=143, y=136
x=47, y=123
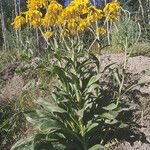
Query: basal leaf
x=33, y=118
x=24, y=144
x=107, y=116
x=50, y=107
x=114, y=121
x=92, y=126
x=112, y=106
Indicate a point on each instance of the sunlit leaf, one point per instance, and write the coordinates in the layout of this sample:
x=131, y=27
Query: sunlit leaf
x=50, y=107
x=93, y=79
x=112, y=106
x=97, y=147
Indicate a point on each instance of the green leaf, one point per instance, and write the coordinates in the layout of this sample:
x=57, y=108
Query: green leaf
x=112, y=106
x=50, y=107
x=115, y=74
x=33, y=118
x=97, y=147
x=96, y=61
x=80, y=113
x=61, y=74
x=109, y=116
x=108, y=66
x=90, y=127
x=47, y=125
x=123, y=125
x=24, y=144
x=93, y=79
x=131, y=107
x=114, y=121
x=92, y=88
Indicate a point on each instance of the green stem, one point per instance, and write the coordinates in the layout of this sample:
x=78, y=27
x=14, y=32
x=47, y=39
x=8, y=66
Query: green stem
x=123, y=73
x=83, y=137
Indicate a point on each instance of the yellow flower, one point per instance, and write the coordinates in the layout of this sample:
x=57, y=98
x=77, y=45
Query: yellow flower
x=100, y=31
x=18, y=21
x=48, y=34
x=83, y=23
x=73, y=19
x=36, y=4
x=54, y=7
x=95, y=14
x=34, y=17
x=52, y=14
x=111, y=10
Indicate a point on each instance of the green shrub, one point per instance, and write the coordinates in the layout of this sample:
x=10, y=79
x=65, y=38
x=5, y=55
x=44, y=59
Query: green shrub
x=125, y=32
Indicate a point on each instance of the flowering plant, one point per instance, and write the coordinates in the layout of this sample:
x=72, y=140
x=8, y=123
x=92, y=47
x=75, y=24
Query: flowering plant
x=58, y=23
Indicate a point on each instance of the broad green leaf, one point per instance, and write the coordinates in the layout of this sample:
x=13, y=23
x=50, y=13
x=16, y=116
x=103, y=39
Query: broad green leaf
x=49, y=124
x=93, y=79
x=107, y=116
x=96, y=61
x=33, y=118
x=112, y=106
x=123, y=125
x=80, y=113
x=24, y=144
x=50, y=107
x=97, y=147
x=83, y=64
x=114, y=121
x=131, y=107
x=90, y=127
x=62, y=75
x=92, y=88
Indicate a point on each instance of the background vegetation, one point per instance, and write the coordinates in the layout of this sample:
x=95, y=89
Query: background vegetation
x=43, y=68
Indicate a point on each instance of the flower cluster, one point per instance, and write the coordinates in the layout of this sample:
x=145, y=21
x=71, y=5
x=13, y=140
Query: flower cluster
x=111, y=10
x=36, y=4
x=18, y=21
x=74, y=19
x=34, y=17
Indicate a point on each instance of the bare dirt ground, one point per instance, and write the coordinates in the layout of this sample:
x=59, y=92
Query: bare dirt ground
x=138, y=66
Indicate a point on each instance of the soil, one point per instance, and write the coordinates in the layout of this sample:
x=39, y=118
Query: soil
x=138, y=66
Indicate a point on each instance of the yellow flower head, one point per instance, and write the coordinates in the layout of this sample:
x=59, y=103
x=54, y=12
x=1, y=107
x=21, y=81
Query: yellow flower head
x=95, y=14
x=83, y=23
x=52, y=14
x=36, y=4
x=111, y=10
x=73, y=19
x=18, y=21
x=34, y=17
